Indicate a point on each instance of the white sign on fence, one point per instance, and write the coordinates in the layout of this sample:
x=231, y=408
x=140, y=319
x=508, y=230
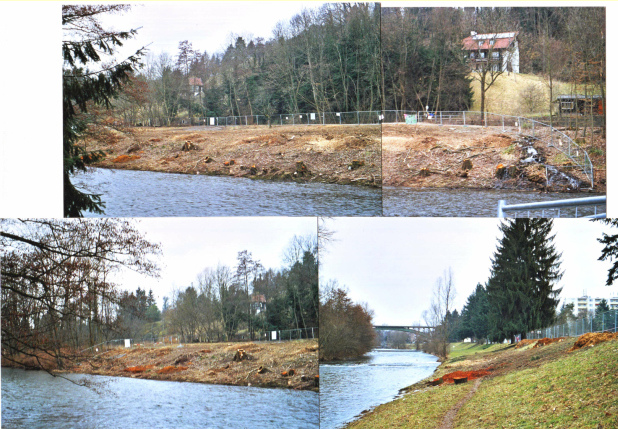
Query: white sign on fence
x=212, y=121
x=313, y=116
x=127, y=343
x=338, y=114
x=273, y=335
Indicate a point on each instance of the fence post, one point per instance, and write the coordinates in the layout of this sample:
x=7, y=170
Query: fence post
x=257, y=119
x=440, y=117
x=519, y=123
x=281, y=119
x=357, y=118
x=323, y=120
x=502, y=123
x=464, y=117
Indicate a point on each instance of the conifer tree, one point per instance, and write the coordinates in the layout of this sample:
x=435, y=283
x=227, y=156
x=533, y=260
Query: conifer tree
x=525, y=268
x=86, y=81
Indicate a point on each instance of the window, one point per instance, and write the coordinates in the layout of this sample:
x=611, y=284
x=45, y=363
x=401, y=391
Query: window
x=495, y=54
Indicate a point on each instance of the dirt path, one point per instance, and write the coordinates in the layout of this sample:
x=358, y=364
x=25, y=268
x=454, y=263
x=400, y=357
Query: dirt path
x=449, y=417
x=343, y=154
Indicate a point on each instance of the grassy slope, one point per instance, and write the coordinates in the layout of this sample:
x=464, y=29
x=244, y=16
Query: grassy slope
x=580, y=390
x=505, y=94
x=577, y=390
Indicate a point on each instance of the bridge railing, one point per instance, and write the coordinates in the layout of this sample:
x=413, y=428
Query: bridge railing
x=590, y=207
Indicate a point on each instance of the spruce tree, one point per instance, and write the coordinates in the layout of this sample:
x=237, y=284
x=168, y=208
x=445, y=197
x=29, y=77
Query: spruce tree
x=86, y=81
x=525, y=268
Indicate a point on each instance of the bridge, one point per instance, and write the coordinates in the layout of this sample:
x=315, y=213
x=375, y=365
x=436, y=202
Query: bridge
x=409, y=328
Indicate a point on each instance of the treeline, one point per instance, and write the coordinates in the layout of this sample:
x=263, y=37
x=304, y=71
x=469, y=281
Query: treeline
x=520, y=294
x=322, y=60
x=346, y=329
x=58, y=295
x=248, y=301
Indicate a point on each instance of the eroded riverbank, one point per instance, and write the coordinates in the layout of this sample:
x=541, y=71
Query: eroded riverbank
x=341, y=154
x=289, y=364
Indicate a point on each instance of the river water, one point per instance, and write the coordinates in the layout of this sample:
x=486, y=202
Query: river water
x=348, y=388
x=35, y=399
x=128, y=193
x=401, y=201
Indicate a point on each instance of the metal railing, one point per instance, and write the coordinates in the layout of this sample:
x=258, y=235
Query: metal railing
x=556, y=208
x=604, y=322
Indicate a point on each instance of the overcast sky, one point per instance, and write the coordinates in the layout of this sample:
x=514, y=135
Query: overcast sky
x=207, y=25
x=189, y=245
x=392, y=264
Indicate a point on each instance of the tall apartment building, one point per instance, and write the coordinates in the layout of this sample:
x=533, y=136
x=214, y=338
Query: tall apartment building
x=590, y=303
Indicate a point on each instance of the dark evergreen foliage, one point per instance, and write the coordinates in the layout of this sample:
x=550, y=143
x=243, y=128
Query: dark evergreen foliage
x=525, y=268
x=475, y=322
x=610, y=251
x=86, y=46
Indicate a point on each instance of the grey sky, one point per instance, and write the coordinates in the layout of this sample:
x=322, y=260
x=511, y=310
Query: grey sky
x=191, y=244
x=393, y=263
x=207, y=25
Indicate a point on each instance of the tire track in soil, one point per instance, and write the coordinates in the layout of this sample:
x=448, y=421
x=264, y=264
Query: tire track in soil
x=449, y=417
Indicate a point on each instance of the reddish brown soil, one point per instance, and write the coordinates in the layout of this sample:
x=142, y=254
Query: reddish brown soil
x=591, y=339
x=263, y=364
x=344, y=154
x=470, y=375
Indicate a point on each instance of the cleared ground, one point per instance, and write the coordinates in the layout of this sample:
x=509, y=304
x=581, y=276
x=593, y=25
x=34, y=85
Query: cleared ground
x=290, y=364
x=433, y=156
x=344, y=154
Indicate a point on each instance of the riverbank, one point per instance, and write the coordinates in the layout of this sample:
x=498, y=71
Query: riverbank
x=290, y=364
x=559, y=384
x=475, y=157
x=341, y=154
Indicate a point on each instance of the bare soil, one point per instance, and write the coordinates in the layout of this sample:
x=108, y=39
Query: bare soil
x=343, y=154
x=475, y=157
x=291, y=364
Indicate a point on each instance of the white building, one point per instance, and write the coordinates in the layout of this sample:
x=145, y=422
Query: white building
x=500, y=50
x=590, y=303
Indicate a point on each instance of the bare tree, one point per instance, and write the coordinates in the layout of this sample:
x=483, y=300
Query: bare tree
x=441, y=305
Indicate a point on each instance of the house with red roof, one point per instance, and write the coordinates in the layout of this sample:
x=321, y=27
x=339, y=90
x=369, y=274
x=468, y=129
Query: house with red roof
x=500, y=51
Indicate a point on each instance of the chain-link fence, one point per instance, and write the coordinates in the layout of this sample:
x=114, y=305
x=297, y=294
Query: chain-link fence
x=603, y=322
x=312, y=118
x=288, y=334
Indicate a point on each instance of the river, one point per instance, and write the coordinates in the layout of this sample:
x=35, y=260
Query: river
x=129, y=193
x=401, y=201
x=348, y=388
x=35, y=399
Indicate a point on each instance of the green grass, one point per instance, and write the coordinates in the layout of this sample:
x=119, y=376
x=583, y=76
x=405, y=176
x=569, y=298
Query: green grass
x=459, y=350
x=423, y=409
x=577, y=391
x=574, y=390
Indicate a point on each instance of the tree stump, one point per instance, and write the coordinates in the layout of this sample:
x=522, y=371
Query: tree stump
x=424, y=172
x=466, y=165
x=356, y=164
